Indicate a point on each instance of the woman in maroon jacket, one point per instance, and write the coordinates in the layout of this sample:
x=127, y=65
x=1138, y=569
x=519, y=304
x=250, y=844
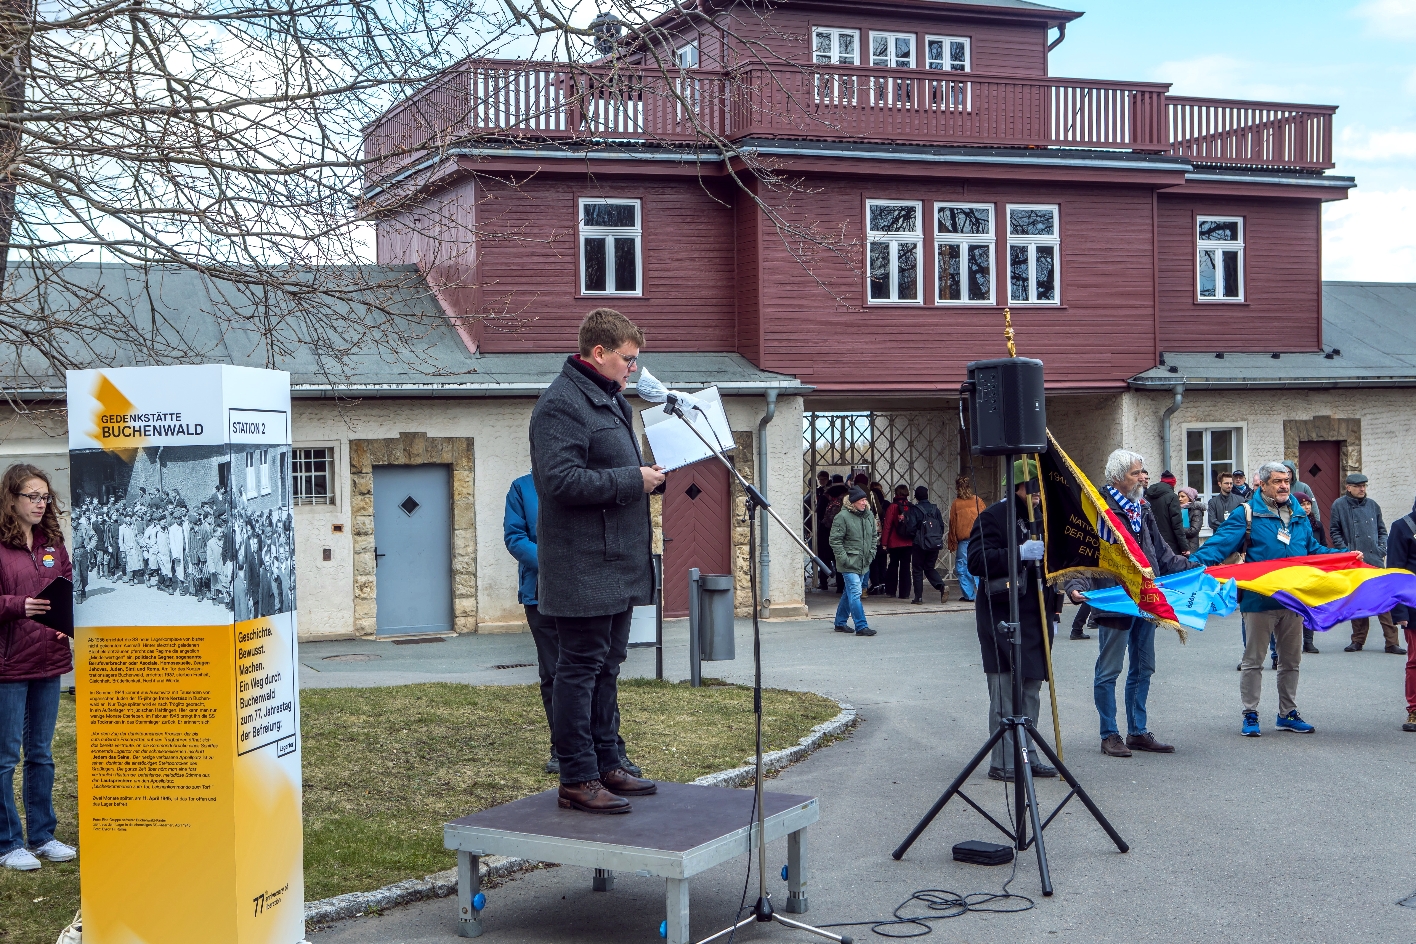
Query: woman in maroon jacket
x=32, y=659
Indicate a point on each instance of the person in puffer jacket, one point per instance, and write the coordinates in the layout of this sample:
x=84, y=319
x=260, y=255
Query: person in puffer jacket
x=1401, y=552
x=33, y=657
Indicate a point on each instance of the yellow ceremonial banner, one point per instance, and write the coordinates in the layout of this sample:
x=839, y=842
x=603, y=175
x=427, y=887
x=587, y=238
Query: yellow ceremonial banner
x=187, y=695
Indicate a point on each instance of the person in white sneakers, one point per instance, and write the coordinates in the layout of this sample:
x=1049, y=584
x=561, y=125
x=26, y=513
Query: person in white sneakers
x=33, y=657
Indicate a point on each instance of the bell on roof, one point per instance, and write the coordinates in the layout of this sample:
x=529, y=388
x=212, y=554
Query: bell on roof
x=607, y=29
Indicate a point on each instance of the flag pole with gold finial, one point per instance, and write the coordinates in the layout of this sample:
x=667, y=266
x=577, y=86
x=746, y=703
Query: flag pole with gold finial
x=1009, y=336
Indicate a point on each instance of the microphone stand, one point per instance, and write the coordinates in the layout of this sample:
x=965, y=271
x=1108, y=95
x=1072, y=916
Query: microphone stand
x=762, y=911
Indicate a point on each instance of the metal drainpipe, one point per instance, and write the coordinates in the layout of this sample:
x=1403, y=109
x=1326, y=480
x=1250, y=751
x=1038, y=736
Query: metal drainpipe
x=764, y=558
x=1179, y=390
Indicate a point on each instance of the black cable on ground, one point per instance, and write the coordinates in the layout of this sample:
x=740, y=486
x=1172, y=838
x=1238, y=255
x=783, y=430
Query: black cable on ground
x=947, y=903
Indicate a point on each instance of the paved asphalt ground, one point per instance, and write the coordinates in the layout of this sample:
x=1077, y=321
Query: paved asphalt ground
x=1284, y=838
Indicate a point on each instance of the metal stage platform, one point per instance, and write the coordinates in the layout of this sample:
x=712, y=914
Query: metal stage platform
x=677, y=833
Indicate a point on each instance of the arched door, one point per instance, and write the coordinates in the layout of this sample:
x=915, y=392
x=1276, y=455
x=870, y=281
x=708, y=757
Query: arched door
x=697, y=529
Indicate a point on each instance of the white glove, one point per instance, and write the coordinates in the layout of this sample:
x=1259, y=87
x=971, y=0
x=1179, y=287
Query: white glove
x=1031, y=550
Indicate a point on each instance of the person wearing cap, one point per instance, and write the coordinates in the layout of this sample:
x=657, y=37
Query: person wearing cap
x=1356, y=525
x=853, y=540
x=1241, y=486
x=1305, y=502
x=988, y=561
x=1165, y=504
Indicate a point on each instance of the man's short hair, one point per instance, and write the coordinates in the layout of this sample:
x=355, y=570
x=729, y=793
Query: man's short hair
x=1224, y=475
x=605, y=326
x=1267, y=470
x=1120, y=462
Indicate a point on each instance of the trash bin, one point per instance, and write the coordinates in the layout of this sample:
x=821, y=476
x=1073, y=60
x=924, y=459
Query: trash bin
x=715, y=617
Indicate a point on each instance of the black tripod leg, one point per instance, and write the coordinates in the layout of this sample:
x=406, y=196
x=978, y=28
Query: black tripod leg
x=923, y=824
x=1024, y=774
x=1081, y=794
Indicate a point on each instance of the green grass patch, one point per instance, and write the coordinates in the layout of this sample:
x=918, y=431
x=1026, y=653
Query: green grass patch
x=384, y=768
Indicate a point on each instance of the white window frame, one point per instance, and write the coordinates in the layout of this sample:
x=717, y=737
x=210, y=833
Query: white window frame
x=1032, y=243
x=331, y=460
x=1241, y=431
x=963, y=241
x=895, y=240
x=1218, y=247
x=610, y=233
x=890, y=38
x=688, y=50
x=946, y=64
x=251, y=477
x=834, y=57
x=265, y=471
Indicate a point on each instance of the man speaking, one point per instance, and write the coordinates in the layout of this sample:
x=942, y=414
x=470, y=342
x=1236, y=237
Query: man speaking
x=595, y=554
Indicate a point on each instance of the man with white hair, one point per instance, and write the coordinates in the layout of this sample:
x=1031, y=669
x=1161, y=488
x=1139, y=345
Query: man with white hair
x=1272, y=526
x=1120, y=634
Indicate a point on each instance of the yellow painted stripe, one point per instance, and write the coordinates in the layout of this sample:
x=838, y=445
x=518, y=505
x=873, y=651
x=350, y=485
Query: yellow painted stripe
x=1312, y=586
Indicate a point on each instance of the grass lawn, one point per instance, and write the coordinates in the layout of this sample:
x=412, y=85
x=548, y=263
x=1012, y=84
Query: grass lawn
x=384, y=768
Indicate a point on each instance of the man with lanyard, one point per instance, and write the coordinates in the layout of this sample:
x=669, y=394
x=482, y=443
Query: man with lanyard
x=1271, y=526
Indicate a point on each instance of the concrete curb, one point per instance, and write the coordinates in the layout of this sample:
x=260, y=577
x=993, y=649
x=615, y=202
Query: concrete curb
x=443, y=884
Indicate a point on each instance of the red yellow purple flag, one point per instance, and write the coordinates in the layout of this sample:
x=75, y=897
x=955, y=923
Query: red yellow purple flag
x=1083, y=535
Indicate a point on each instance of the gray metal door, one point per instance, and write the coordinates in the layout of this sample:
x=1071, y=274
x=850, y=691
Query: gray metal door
x=413, y=548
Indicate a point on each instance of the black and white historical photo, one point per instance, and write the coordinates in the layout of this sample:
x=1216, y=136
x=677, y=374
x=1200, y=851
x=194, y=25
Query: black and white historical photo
x=182, y=536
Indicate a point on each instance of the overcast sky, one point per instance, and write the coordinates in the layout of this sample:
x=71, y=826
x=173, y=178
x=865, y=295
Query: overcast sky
x=1360, y=56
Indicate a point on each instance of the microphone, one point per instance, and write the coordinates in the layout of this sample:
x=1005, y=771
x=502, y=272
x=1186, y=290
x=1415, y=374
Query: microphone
x=652, y=390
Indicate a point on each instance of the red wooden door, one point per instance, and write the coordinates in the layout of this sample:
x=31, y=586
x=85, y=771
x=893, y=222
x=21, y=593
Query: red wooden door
x=1320, y=467
x=697, y=529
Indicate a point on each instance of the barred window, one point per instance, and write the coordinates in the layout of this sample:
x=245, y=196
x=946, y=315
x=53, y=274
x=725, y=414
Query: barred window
x=312, y=475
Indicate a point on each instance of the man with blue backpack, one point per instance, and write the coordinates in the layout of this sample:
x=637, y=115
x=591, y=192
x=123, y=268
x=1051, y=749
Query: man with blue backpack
x=926, y=524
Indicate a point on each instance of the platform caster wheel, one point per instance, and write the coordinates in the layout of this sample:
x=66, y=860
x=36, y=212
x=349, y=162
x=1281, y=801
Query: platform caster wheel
x=663, y=929
x=479, y=901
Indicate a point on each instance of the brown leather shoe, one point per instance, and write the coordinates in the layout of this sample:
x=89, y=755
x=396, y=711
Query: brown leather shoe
x=1147, y=742
x=623, y=783
x=590, y=797
x=1113, y=746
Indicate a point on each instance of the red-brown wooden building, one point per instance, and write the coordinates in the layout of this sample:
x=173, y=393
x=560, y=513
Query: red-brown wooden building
x=849, y=195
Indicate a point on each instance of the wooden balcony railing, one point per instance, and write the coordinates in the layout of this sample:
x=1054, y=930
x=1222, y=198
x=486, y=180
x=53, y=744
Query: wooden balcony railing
x=1256, y=134
x=502, y=99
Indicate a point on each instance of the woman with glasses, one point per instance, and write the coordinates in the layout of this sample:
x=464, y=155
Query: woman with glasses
x=32, y=659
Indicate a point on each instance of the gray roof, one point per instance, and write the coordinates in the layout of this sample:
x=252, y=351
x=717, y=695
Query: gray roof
x=1025, y=6
x=1369, y=329
x=351, y=331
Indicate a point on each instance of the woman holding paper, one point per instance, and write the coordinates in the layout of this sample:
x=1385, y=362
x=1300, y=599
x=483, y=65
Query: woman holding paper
x=32, y=659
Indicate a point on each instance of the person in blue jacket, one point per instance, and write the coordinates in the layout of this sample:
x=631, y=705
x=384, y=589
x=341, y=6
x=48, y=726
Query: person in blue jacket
x=1269, y=526
x=519, y=533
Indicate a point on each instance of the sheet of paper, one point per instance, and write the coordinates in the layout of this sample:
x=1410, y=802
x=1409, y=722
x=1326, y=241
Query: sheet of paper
x=674, y=444
x=644, y=626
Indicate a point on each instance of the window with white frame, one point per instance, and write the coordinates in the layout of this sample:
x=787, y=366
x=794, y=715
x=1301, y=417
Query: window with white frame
x=949, y=53
x=1221, y=258
x=609, y=247
x=251, y=479
x=1033, y=246
x=840, y=47
x=963, y=246
x=265, y=471
x=892, y=50
x=687, y=56
x=893, y=241
x=312, y=476
x=1210, y=451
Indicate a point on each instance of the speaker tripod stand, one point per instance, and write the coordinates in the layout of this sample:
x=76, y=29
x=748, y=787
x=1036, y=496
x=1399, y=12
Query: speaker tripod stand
x=762, y=910
x=1026, y=812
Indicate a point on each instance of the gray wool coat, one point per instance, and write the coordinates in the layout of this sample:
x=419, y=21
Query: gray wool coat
x=594, y=543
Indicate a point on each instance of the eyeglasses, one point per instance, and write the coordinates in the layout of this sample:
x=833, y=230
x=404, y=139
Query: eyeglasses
x=631, y=361
x=37, y=498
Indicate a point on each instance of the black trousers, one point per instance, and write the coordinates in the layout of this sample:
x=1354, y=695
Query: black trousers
x=1079, y=622
x=543, y=631
x=897, y=572
x=877, y=568
x=923, y=564
x=585, y=699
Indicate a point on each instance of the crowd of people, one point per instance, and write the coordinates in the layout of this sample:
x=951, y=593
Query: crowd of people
x=157, y=541
x=876, y=546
